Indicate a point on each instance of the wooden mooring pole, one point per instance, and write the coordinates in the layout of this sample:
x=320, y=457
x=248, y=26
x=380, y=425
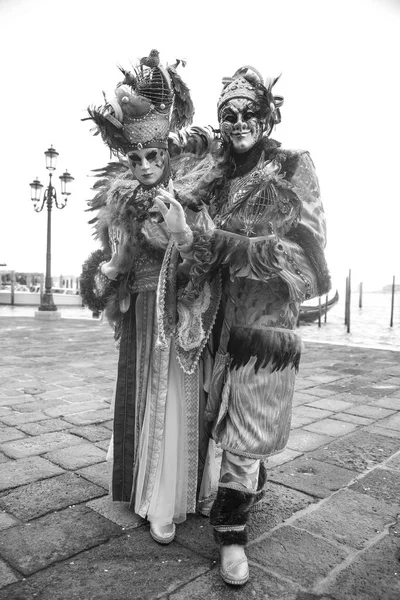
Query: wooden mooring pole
x=319, y=311
x=360, y=297
x=392, y=308
x=348, y=301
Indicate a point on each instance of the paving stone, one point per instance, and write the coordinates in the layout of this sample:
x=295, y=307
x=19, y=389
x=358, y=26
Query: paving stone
x=73, y=408
x=352, y=419
x=38, y=404
x=117, y=512
x=4, y=411
x=348, y=518
x=306, y=441
x=39, y=444
x=211, y=587
x=312, y=413
x=304, y=384
x=47, y=426
x=92, y=433
x=100, y=474
x=12, y=400
x=373, y=575
x=196, y=533
x=372, y=390
x=330, y=404
x=354, y=398
x=390, y=402
x=311, y=476
x=32, y=546
x=302, y=398
x=299, y=421
x=389, y=386
x=392, y=422
x=15, y=473
x=131, y=567
x=326, y=377
x=279, y=504
x=381, y=484
x=358, y=451
x=7, y=577
x=311, y=558
x=380, y=430
x=6, y=520
x=371, y=412
x=18, y=418
x=8, y=434
x=394, y=463
x=89, y=417
x=331, y=427
x=104, y=445
x=4, y=458
x=285, y=456
x=41, y=497
x=77, y=456
x=320, y=392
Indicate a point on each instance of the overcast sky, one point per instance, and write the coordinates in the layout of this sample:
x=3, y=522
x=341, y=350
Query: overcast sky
x=340, y=79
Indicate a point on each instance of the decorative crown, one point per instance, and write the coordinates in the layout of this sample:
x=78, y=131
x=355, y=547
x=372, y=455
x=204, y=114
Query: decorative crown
x=248, y=83
x=150, y=102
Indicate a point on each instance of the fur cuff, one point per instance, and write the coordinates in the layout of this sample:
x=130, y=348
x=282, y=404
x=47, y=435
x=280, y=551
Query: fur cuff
x=227, y=538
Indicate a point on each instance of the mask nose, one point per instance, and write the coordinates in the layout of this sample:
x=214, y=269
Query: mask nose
x=145, y=165
x=240, y=125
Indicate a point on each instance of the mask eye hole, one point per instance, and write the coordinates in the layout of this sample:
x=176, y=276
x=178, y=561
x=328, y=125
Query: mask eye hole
x=134, y=158
x=151, y=156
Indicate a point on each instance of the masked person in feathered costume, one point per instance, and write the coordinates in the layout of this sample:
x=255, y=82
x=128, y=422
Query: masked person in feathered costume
x=157, y=404
x=267, y=242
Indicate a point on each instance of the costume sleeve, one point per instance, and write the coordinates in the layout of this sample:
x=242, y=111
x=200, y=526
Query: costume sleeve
x=95, y=287
x=301, y=249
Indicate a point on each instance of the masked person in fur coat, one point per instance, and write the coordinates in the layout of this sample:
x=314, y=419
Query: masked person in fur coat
x=267, y=244
x=157, y=434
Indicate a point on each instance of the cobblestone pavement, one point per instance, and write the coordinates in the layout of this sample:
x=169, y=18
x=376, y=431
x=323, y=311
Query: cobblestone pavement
x=328, y=528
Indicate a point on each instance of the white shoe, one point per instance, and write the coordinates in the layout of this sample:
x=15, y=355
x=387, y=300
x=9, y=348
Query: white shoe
x=234, y=566
x=163, y=534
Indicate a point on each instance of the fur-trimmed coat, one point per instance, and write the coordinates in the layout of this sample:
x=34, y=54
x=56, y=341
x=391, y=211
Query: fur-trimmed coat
x=268, y=245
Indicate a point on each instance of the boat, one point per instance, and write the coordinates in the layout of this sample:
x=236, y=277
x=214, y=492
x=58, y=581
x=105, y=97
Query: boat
x=308, y=314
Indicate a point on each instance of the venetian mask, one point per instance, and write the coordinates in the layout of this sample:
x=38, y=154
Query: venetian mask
x=239, y=124
x=147, y=164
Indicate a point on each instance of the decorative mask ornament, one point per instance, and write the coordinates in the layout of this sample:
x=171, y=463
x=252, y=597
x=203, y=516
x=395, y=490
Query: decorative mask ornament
x=239, y=124
x=150, y=102
x=247, y=108
x=147, y=164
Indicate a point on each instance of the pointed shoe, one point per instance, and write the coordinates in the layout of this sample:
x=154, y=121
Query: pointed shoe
x=163, y=534
x=234, y=566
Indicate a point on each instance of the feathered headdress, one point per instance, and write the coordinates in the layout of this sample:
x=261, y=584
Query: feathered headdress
x=248, y=83
x=150, y=102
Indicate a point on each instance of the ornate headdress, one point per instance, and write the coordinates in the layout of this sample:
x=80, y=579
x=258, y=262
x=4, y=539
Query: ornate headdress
x=248, y=83
x=150, y=102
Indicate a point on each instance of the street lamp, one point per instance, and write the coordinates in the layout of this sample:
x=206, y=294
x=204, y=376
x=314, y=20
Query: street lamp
x=47, y=301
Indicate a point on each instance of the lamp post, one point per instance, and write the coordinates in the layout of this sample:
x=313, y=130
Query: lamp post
x=47, y=307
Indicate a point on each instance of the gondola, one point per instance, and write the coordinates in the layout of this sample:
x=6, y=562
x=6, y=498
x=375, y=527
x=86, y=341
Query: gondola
x=308, y=314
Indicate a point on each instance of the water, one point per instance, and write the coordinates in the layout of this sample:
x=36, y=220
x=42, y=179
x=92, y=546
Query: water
x=67, y=312
x=369, y=326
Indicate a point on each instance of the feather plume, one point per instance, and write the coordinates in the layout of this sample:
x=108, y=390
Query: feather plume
x=183, y=110
x=110, y=132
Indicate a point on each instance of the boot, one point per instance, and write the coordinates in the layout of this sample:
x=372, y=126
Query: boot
x=229, y=515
